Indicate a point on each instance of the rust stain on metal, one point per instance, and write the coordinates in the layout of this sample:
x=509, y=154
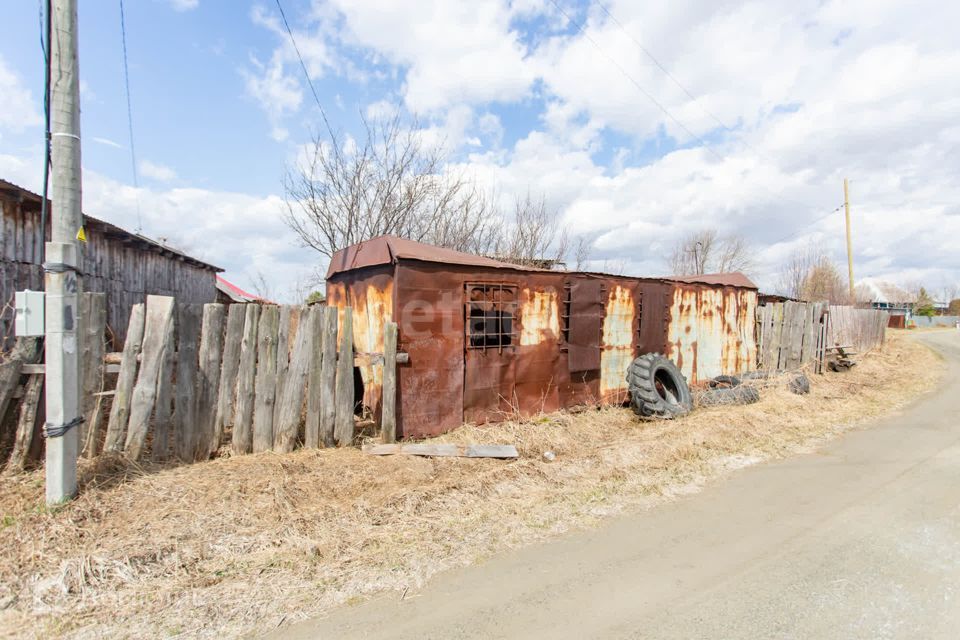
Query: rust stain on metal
x=539, y=317
x=616, y=352
x=711, y=332
x=546, y=340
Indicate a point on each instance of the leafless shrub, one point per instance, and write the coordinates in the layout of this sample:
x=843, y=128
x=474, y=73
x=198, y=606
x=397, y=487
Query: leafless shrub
x=810, y=274
x=706, y=251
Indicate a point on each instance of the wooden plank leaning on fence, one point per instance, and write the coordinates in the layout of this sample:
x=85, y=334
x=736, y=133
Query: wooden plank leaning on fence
x=93, y=324
x=185, y=402
x=266, y=381
x=388, y=415
x=344, y=392
x=290, y=402
x=208, y=378
x=772, y=355
x=242, y=441
x=26, y=423
x=226, y=396
x=159, y=317
x=328, y=377
x=314, y=323
x=120, y=411
x=163, y=413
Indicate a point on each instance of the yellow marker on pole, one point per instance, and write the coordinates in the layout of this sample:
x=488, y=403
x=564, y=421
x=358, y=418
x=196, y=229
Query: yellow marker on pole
x=81, y=235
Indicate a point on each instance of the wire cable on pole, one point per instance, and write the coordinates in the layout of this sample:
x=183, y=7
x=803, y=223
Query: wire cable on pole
x=133, y=152
x=303, y=65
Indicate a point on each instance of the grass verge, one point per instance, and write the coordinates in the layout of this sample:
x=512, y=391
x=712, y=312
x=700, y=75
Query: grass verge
x=238, y=546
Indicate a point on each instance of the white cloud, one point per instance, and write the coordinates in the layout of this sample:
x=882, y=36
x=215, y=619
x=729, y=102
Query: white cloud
x=107, y=142
x=278, y=93
x=156, y=171
x=184, y=5
x=17, y=107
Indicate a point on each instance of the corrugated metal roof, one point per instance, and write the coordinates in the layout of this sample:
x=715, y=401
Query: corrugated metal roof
x=112, y=229
x=734, y=279
x=235, y=293
x=389, y=249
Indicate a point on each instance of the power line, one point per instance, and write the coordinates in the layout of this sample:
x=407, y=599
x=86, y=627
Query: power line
x=661, y=66
x=812, y=222
x=303, y=65
x=659, y=105
x=133, y=153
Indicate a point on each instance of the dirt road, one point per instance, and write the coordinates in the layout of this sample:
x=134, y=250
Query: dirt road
x=859, y=540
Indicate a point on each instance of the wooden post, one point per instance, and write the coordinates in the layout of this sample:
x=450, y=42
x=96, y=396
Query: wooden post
x=158, y=321
x=246, y=372
x=163, y=414
x=208, y=383
x=120, y=411
x=344, y=398
x=185, y=404
x=27, y=423
x=315, y=326
x=328, y=377
x=388, y=420
x=93, y=322
x=283, y=351
x=266, y=384
x=228, y=373
x=290, y=404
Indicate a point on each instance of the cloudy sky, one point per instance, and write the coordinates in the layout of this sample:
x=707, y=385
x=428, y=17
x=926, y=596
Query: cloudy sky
x=639, y=121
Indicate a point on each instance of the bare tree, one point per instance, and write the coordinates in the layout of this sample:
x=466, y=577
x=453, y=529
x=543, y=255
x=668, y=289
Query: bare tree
x=706, y=251
x=533, y=239
x=810, y=274
x=390, y=182
x=581, y=253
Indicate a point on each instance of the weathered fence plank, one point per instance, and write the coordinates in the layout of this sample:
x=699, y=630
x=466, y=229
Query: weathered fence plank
x=163, y=413
x=388, y=417
x=27, y=423
x=120, y=410
x=344, y=398
x=283, y=352
x=315, y=324
x=208, y=381
x=328, y=377
x=159, y=317
x=93, y=323
x=266, y=383
x=290, y=405
x=242, y=440
x=185, y=404
x=228, y=373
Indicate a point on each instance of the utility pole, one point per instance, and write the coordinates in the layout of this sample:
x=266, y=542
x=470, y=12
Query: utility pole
x=63, y=260
x=846, y=207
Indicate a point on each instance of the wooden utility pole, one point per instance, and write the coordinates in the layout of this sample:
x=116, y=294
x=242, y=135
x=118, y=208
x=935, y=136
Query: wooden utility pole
x=846, y=207
x=63, y=260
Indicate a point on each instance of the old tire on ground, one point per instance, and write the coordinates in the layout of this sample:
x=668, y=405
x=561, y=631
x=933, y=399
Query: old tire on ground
x=799, y=384
x=728, y=396
x=760, y=374
x=724, y=382
x=657, y=388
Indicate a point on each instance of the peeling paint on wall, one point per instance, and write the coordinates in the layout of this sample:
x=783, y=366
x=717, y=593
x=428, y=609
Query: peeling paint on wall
x=539, y=317
x=616, y=345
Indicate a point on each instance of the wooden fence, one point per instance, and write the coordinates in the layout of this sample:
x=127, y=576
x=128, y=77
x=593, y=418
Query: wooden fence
x=791, y=335
x=193, y=378
x=861, y=329
x=261, y=377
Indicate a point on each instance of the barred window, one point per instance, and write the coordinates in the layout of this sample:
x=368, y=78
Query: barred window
x=490, y=315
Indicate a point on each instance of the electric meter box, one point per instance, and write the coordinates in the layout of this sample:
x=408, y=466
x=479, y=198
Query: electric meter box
x=29, y=305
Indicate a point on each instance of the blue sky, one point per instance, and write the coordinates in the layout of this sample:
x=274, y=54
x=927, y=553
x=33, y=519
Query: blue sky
x=808, y=92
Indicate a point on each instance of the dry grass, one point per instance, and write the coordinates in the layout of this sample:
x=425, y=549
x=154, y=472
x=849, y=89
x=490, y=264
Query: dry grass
x=240, y=545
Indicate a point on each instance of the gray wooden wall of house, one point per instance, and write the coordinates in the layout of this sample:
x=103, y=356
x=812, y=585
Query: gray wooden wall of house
x=116, y=263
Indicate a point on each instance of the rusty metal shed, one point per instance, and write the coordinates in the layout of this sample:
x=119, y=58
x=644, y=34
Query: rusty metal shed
x=488, y=339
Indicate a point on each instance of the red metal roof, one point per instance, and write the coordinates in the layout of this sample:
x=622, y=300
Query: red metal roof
x=235, y=292
x=389, y=249
x=734, y=279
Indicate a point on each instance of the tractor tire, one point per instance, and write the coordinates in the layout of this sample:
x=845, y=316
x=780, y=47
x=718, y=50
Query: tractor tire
x=724, y=382
x=760, y=374
x=727, y=397
x=657, y=388
x=799, y=384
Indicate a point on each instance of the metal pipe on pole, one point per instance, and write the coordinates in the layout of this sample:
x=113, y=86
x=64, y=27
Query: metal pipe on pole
x=63, y=260
x=846, y=206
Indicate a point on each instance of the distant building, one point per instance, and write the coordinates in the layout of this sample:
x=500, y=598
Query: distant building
x=229, y=293
x=880, y=294
x=125, y=266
